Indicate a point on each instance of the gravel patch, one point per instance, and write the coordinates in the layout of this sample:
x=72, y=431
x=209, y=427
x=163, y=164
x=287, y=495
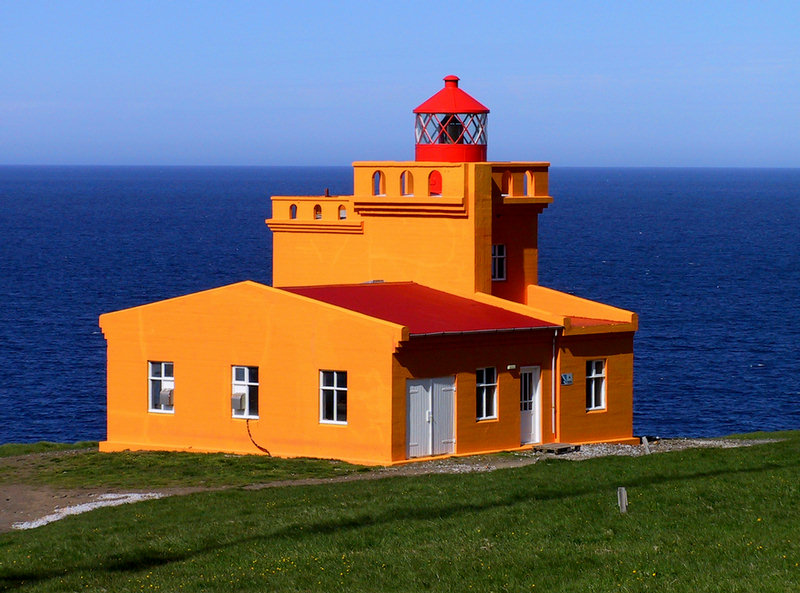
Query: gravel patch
x=483, y=463
x=103, y=500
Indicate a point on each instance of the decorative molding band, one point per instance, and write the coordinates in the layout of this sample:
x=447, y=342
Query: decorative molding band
x=303, y=226
x=449, y=207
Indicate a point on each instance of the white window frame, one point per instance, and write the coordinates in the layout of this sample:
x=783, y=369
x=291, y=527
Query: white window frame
x=595, y=384
x=158, y=379
x=485, y=391
x=245, y=384
x=498, y=262
x=335, y=383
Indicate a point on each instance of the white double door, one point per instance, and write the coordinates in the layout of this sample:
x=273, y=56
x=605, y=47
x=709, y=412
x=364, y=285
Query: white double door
x=430, y=416
x=530, y=405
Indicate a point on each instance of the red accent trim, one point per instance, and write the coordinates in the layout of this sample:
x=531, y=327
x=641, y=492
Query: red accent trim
x=421, y=309
x=451, y=153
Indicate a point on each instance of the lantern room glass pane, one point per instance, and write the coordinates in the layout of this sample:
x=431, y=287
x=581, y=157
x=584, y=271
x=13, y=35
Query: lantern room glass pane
x=450, y=128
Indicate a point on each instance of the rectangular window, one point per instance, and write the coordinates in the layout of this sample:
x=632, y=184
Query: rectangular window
x=498, y=262
x=161, y=378
x=595, y=384
x=244, y=392
x=486, y=393
x=333, y=397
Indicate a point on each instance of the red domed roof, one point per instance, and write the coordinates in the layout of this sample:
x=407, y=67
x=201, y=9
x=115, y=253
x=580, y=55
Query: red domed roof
x=451, y=99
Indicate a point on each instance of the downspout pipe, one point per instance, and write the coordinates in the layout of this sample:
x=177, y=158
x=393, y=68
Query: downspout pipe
x=553, y=374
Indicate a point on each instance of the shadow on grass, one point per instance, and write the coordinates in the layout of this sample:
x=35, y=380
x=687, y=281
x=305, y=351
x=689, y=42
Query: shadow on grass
x=142, y=559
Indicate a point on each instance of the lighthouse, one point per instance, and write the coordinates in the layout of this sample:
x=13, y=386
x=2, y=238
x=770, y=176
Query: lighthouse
x=404, y=321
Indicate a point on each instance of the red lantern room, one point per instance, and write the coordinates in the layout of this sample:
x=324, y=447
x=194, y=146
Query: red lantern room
x=451, y=126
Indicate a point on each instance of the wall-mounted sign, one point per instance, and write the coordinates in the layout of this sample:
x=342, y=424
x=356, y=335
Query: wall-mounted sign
x=566, y=378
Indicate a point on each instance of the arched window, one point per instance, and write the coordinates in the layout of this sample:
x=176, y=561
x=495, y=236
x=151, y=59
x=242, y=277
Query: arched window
x=293, y=211
x=342, y=212
x=317, y=212
x=435, y=183
x=406, y=183
x=505, y=185
x=378, y=184
x=530, y=188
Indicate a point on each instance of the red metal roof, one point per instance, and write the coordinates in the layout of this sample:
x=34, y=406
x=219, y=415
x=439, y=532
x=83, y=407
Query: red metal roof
x=451, y=99
x=421, y=309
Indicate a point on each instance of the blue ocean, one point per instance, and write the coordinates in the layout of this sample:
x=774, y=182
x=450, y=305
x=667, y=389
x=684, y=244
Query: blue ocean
x=708, y=258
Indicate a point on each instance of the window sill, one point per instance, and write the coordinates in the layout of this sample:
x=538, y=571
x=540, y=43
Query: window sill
x=333, y=422
x=487, y=419
x=236, y=417
x=157, y=411
x=595, y=410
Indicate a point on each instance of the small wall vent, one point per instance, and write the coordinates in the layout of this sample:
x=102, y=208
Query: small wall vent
x=238, y=401
x=165, y=397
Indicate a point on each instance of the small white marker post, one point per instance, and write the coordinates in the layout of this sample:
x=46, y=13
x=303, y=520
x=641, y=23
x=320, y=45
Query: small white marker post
x=622, y=499
x=646, y=445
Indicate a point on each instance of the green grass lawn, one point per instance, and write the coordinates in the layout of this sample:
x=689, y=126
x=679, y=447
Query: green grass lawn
x=11, y=449
x=82, y=466
x=698, y=520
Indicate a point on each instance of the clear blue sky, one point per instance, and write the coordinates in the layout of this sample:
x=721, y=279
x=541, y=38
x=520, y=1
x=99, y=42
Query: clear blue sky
x=325, y=83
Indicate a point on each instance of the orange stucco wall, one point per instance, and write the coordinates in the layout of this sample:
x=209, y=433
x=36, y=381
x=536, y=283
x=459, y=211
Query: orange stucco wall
x=392, y=250
x=429, y=239
x=430, y=357
x=290, y=339
x=440, y=241
x=615, y=422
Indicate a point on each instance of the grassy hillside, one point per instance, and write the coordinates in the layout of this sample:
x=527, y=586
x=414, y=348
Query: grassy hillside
x=698, y=520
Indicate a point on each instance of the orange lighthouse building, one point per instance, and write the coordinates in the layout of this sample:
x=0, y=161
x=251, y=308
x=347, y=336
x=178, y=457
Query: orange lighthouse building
x=404, y=322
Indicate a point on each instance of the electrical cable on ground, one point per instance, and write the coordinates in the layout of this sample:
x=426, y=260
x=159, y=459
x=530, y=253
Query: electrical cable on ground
x=259, y=447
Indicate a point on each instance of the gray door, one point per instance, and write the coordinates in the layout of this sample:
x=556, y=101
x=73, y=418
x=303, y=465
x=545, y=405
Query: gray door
x=430, y=416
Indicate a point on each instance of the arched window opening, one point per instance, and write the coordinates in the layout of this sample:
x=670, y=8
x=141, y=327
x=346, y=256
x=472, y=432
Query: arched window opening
x=435, y=183
x=342, y=212
x=530, y=188
x=505, y=185
x=406, y=183
x=293, y=211
x=378, y=184
x=317, y=212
